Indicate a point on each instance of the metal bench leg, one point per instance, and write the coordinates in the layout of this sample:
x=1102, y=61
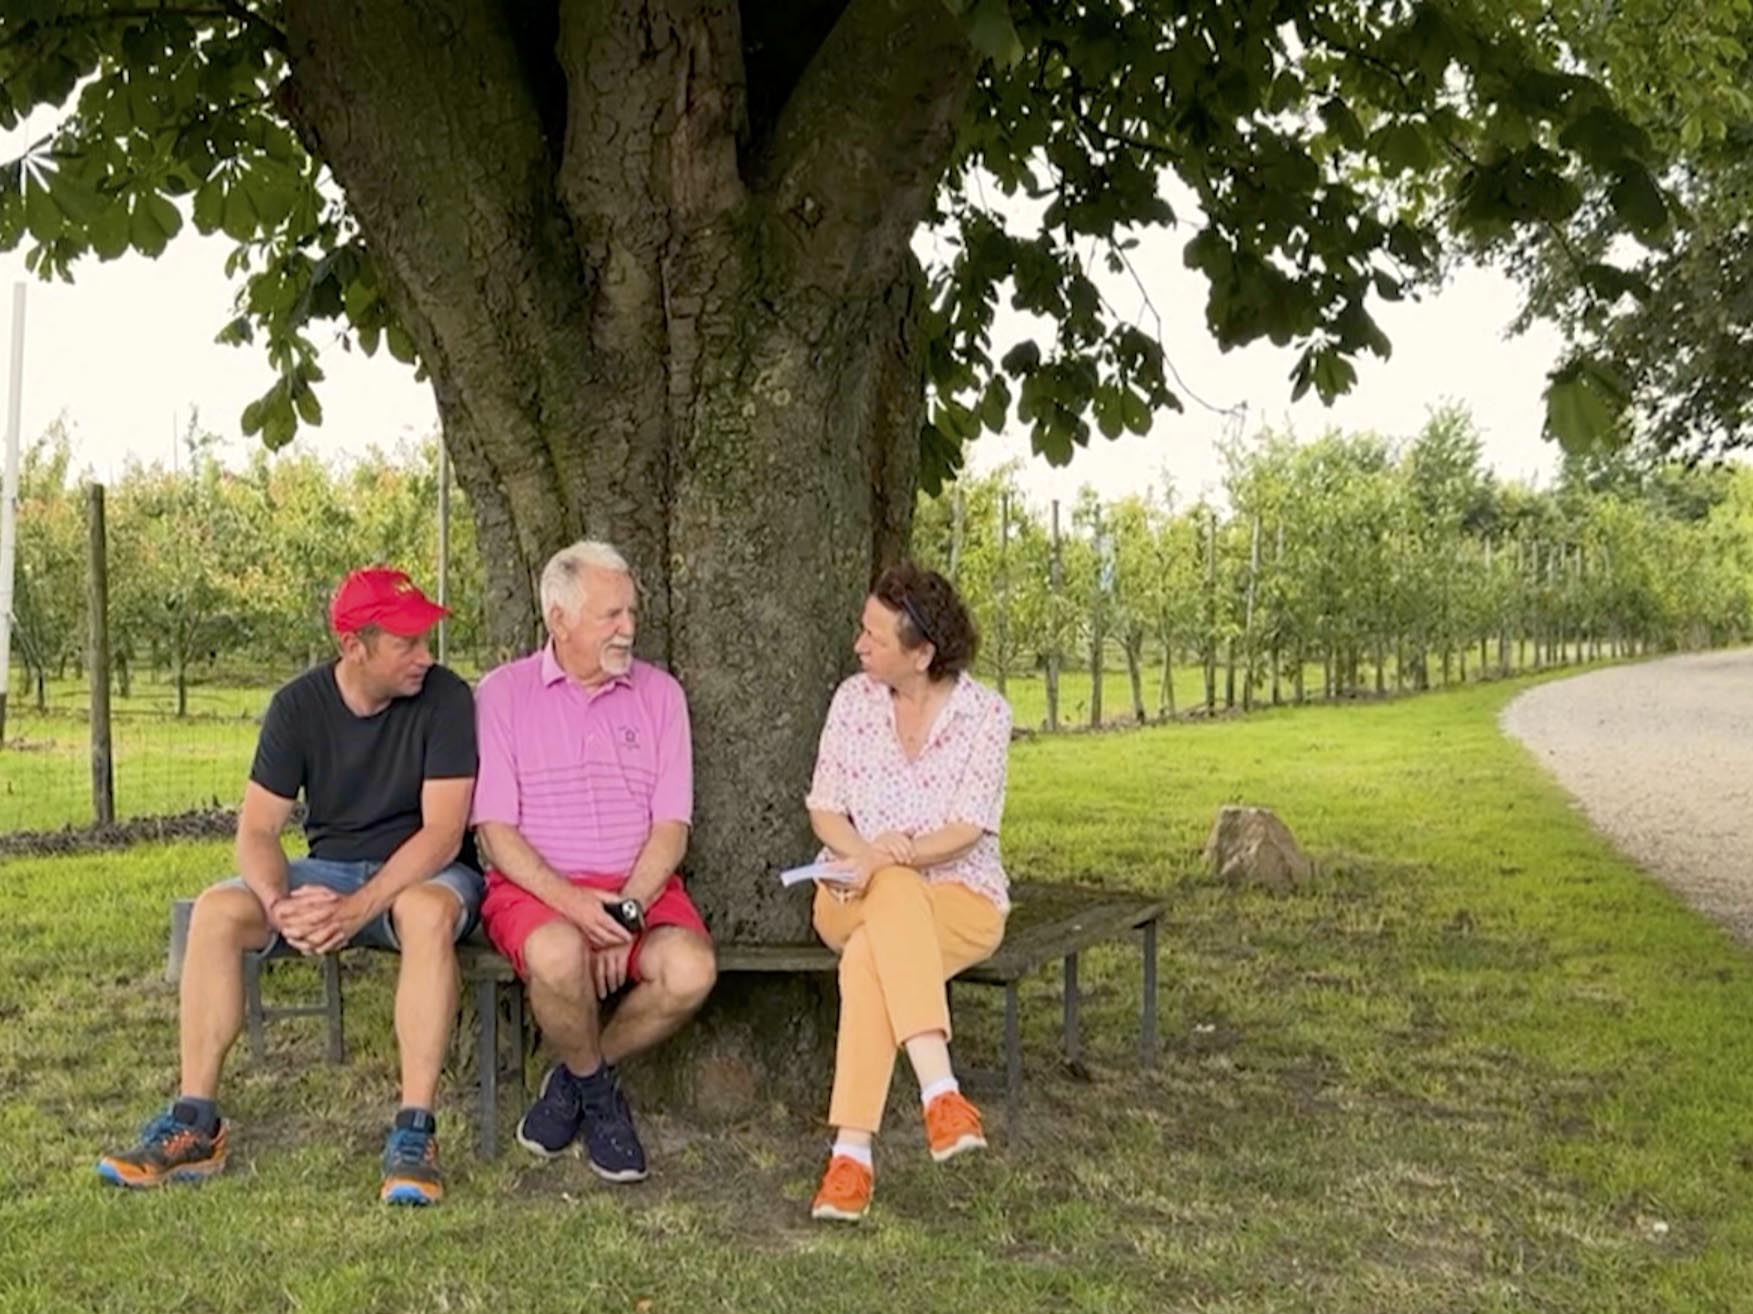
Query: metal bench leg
x=332, y=1005
x=515, y=993
x=487, y=1064
x=252, y=1001
x=1013, y=1058
x=1073, y=1033
x=1147, y=1024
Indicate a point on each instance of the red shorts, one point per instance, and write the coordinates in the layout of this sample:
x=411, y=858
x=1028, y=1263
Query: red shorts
x=510, y=914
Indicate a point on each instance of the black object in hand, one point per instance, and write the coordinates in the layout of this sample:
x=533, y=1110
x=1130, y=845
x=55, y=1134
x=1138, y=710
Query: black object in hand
x=628, y=913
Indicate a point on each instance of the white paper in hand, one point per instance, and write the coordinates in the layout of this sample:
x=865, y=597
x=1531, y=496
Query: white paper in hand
x=830, y=872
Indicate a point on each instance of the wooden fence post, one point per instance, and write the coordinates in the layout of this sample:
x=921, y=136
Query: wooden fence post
x=97, y=664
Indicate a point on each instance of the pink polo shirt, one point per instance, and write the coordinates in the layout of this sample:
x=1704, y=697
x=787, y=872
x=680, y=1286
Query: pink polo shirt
x=582, y=773
x=958, y=777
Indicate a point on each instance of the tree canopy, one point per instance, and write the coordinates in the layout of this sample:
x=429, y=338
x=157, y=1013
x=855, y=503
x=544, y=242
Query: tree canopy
x=1670, y=328
x=1329, y=154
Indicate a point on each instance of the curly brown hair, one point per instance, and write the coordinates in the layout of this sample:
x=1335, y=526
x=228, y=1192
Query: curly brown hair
x=930, y=612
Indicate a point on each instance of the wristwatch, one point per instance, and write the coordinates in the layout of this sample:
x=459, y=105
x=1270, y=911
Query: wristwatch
x=628, y=913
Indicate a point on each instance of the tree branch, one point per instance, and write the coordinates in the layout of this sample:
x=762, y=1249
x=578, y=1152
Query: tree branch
x=426, y=116
x=655, y=102
x=863, y=140
x=1080, y=111
x=779, y=41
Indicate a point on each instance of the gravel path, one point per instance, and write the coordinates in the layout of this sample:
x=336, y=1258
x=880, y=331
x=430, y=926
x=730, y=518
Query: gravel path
x=1660, y=755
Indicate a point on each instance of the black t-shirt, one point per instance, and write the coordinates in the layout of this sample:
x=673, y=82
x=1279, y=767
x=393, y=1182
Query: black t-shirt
x=361, y=775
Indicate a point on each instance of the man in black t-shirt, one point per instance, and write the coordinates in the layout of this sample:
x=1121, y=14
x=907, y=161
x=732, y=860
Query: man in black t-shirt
x=382, y=744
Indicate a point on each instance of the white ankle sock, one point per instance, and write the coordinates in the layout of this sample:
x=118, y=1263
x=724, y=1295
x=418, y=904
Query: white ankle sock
x=856, y=1153
x=942, y=1087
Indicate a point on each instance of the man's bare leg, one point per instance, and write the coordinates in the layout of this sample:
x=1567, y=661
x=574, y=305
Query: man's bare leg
x=425, y=919
x=227, y=923
x=562, y=995
x=677, y=970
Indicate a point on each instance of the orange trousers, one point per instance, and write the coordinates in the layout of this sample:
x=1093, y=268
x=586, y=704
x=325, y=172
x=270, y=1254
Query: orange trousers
x=898, y=942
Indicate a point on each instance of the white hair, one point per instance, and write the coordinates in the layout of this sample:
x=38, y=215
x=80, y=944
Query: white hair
x=563, y=576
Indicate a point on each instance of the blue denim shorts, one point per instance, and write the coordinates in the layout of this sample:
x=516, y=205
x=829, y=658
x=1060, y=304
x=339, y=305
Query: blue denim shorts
x=346, y=877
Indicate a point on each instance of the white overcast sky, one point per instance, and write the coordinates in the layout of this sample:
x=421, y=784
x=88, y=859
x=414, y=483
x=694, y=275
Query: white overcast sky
x=127, y=349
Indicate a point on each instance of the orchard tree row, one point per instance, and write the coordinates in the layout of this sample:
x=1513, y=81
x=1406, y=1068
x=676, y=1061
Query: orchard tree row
x=220, y=571
x=1352, y=562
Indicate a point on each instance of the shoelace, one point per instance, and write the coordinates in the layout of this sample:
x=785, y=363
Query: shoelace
x=408, y=1147
x=563, y=1091
x=949, y=1131
x=165, y=1131
x=958, y=1116
x=844, y=1177
x=612, y=1116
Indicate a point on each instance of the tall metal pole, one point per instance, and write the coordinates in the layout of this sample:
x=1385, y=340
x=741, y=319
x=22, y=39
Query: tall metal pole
x=1053, y=614
x=9, y=502
x=443, y=538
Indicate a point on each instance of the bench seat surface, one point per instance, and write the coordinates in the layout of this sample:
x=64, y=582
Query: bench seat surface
x=1046, y=922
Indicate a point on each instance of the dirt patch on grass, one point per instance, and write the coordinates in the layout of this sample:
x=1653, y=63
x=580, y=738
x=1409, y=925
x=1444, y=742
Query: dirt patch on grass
x=199, y=823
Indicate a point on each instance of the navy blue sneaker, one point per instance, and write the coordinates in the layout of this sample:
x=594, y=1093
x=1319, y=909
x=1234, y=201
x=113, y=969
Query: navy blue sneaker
x=610, y=1142
x=551, y=1124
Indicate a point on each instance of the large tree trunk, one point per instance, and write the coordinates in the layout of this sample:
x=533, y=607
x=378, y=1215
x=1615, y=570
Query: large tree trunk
x=658, y=269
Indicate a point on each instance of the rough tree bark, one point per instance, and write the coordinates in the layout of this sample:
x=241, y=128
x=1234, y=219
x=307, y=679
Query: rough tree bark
x=655, y=258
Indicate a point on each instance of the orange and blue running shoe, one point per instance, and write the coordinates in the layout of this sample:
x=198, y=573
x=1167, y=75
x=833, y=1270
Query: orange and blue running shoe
x=171, y=1149
x=410, y=1162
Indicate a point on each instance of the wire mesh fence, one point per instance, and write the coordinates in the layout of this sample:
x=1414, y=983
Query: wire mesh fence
x=162, y=763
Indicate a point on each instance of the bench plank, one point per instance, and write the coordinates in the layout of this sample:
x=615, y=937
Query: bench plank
x=1094, y=922
x=482, y=962
x=813, y=957
x=1046, y=922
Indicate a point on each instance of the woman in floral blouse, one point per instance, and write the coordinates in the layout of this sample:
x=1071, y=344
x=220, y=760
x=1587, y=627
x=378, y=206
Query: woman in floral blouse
x=907, y=796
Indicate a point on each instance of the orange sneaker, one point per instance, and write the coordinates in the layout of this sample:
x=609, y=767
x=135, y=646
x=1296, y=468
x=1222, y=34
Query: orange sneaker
x=952, y=1125
x=845, y=1191
x=170, y=1150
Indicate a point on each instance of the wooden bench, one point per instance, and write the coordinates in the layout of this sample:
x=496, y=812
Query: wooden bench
x=1047, y=922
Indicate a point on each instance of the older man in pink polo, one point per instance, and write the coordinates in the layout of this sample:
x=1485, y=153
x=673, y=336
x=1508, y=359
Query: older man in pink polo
x=582, y=807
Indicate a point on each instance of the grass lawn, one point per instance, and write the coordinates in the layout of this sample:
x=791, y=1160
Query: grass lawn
x=1483, y=1065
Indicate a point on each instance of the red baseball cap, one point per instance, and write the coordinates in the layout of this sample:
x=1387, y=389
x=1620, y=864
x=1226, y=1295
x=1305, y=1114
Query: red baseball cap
x=383, y=597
